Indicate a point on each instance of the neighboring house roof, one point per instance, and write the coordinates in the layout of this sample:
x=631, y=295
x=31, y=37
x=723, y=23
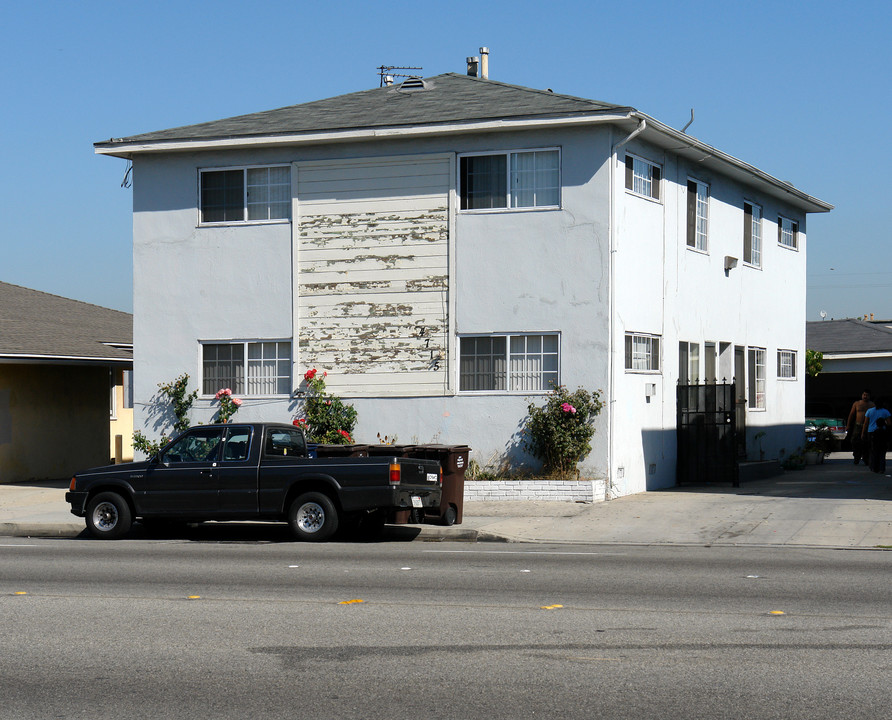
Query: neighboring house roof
x=848, y=337
x=39, y=327
x=449, y=103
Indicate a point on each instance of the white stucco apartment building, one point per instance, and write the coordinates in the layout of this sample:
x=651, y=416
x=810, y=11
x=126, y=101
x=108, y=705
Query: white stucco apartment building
x=446, y=248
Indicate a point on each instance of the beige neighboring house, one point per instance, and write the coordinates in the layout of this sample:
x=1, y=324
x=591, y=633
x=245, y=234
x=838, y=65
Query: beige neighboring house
x=65, y=385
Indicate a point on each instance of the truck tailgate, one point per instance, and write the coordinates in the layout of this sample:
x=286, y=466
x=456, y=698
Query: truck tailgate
x=417, y=473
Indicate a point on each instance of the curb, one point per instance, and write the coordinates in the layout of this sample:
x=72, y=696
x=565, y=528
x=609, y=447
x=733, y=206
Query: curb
x=51, y=530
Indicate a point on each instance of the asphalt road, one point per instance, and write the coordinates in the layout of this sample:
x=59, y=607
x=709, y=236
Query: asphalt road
x=230, y=628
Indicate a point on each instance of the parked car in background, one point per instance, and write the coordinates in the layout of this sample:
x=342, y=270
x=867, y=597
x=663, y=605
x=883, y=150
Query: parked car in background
x=823, y=416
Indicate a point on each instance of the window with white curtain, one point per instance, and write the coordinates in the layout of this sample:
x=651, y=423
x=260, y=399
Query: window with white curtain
x=643, y=177
x=756, y=378
x=642, y=352
x=249, y=194
x=513, y=363
x=788, y=232
x=698, y=215
x=521, y=179
x=786, y=364
x=247, y=368
x=752, y=234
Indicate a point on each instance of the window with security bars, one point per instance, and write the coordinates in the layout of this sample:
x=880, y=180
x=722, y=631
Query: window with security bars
x=642, y=352
x=756, y=378
x=523, y=179
x=786, y=364
x=513, y=363
x=254, y=194
x=247, y=368
x=643, y=177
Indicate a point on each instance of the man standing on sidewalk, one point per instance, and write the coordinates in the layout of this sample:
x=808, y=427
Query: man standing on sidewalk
x=877, y=428
x=855, y=424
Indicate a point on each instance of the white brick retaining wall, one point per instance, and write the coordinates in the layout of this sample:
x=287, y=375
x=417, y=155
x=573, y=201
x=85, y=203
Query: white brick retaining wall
x=558, y=490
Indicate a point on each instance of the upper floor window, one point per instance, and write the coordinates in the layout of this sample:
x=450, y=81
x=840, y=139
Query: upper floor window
x=787, y=232
x=752, y=234
x=516, y=363
x=254, y=194
x=786, y=364
x=510, y=180
x=247, y=368
x=642, y=352
x=698, y=215
x=642, y=177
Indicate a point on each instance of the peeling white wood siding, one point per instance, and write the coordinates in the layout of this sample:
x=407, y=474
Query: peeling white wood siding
x=372, y=281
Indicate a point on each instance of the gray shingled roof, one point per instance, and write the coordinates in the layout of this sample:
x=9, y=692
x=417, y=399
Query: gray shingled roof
x=847, y=336
x=448, y=98
x=37, y=325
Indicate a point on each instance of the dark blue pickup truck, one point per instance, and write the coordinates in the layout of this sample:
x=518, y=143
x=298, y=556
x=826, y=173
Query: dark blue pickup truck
x=252, y=471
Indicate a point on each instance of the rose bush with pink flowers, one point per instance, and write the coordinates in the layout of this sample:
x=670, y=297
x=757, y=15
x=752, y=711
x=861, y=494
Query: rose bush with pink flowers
x=325, y=417
x=559, y=433
x=228, y=405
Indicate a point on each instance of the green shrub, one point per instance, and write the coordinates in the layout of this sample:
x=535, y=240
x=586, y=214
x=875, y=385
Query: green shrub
x=181, y=402
x=559, y=433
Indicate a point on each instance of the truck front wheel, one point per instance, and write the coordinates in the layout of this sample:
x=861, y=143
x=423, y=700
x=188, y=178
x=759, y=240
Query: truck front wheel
x=108, y=516
x=313, y=517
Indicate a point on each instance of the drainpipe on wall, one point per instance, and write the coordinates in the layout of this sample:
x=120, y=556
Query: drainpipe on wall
x=611, y=302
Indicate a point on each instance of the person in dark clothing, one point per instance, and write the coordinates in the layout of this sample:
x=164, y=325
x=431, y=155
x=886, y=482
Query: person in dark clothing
x=876, y=430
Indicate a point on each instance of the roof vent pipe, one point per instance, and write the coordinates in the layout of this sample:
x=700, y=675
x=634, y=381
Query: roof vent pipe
x=484, y=62
x=473, y=65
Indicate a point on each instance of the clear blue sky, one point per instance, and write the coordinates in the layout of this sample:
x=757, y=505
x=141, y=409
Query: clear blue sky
x=801, y=90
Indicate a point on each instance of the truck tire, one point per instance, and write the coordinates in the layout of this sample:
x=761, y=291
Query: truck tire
x=449, y=517
x=108, y=516
x=313, y=517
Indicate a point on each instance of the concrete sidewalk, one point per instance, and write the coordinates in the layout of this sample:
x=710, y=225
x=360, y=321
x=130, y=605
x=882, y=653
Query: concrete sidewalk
x=835, y=504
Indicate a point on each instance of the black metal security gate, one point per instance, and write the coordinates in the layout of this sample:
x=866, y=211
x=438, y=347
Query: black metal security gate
x=706, y=431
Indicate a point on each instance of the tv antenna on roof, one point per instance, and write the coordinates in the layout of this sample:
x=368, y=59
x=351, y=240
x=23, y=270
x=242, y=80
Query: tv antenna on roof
x=386, y=73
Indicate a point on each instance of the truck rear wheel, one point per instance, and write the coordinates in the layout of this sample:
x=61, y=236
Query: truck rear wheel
x=313, y=517
x=108, y=516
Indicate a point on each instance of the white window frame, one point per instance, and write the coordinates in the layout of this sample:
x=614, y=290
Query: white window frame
x=689, y=363
x=515, y=366
x=755, y=234
x=510, y=197
x=643, y=178
x=243, y=386
x=787, y=228
x=113, y=392
x=786, y=365
x=246, y=203
x=700, y=231
x=635, y=355
x=756, y=378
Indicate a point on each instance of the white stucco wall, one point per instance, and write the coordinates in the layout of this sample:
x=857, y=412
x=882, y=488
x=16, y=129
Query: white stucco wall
x=530, y=271
x=665, y=288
